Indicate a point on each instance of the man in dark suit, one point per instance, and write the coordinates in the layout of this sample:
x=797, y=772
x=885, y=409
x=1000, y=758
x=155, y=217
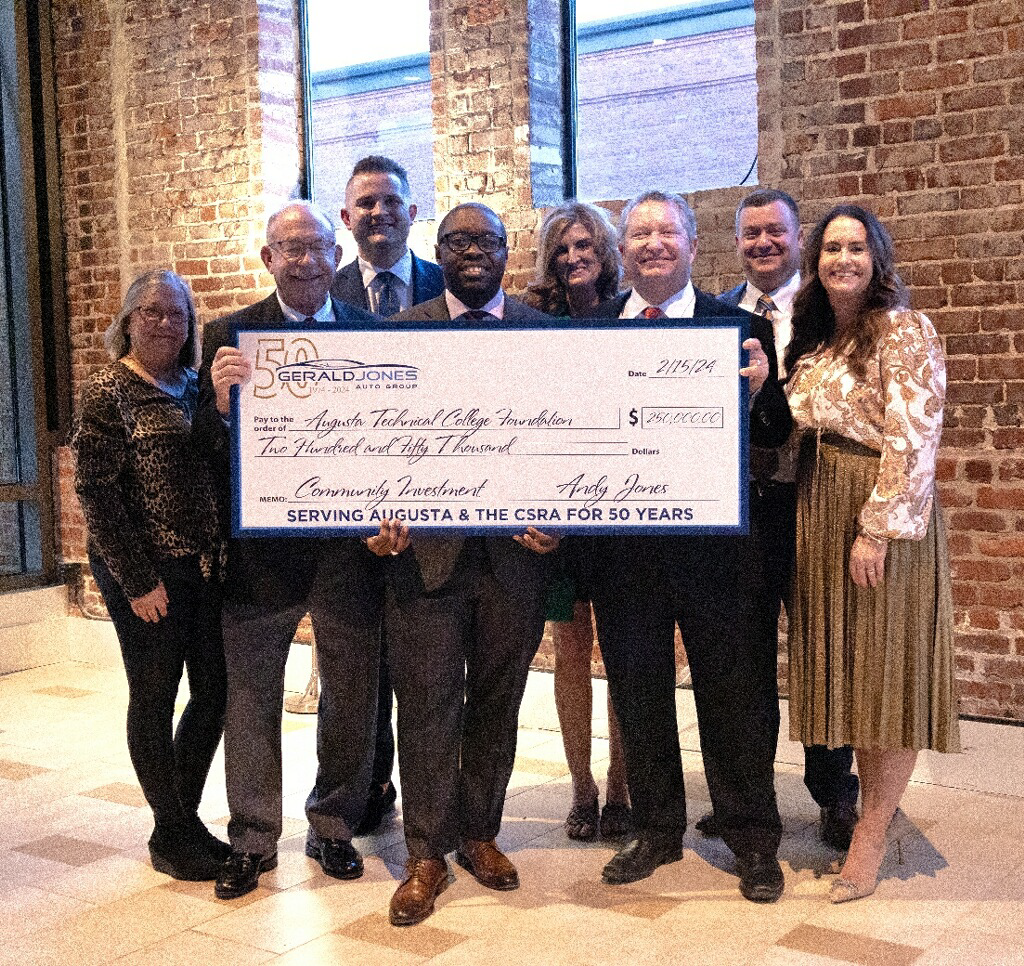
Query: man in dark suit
x=642, y=587
x=768, y=242
x=272, y=582
x=385, y=278
x=464, y=618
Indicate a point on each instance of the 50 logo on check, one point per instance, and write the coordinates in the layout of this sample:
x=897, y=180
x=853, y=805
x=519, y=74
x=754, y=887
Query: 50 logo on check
x=295, y=365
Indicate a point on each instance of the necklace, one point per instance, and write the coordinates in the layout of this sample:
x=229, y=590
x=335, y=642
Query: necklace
x=174, y=386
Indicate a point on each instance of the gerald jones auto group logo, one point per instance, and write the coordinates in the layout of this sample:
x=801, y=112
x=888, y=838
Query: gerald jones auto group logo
x=347, y=373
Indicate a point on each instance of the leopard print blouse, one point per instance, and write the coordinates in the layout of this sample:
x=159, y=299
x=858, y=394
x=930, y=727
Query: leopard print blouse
x=144, y=487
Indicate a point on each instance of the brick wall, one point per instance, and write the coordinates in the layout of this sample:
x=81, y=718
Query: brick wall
x=178, y=131
x=175, y=142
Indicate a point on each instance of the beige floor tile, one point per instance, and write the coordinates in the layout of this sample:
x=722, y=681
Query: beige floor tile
x=966, y=947
x=105, y=933
x=106, y=880
x=286, y=920
x=26, y=909
x=193, y=948
x=338, y=948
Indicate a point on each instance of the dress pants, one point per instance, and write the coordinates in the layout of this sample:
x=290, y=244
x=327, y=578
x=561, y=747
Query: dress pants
x=257, y=639
x=459, y=660
x=642, y=588
x=384, y=740
x=827, y=771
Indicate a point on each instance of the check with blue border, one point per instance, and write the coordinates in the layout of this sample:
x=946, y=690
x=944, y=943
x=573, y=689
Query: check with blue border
x=589, y=427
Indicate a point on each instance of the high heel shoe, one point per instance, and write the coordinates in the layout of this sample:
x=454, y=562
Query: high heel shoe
x=847, y=888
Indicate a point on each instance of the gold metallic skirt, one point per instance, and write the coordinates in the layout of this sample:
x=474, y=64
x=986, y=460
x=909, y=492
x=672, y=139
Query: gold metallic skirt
x=868, y=667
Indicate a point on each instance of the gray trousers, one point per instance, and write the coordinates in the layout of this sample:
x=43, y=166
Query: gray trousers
x=256, y=644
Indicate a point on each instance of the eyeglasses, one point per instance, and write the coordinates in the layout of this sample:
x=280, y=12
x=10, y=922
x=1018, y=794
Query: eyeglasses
x=153, y=316
x=486, y=241
x=296, y=250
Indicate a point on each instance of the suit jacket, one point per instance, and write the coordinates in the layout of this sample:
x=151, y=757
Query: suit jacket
x=770, y=420
x=515, y=567
x=275, y=571
x=427, y=283
x=733, y=296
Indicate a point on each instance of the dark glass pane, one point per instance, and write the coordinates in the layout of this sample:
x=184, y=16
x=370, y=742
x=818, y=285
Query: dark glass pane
x=20, y=539
x=370, y=95
x=667, y=96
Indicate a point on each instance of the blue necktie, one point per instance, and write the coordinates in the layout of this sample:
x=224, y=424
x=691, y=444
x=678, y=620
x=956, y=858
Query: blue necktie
x=476, y=315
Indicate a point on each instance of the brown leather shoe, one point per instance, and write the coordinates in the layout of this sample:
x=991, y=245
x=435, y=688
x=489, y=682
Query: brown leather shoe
x=413, y=901
x=489, y=865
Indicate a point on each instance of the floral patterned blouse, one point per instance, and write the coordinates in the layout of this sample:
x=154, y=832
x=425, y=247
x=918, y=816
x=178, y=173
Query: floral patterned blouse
x=144, y=487
x=896, y=409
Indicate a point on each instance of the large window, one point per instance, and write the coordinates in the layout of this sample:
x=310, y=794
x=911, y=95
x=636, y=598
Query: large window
x=369, y=93
x=33, y=356
x=666, y=95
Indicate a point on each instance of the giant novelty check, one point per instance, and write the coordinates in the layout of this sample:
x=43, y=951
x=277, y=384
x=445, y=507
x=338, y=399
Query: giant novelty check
x=567, y=428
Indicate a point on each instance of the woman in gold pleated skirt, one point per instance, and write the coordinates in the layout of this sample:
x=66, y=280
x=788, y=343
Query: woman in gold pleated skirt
x=871, y=622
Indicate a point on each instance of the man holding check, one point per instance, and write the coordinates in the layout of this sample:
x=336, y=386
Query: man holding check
x=464, y=617
x=643, y=586
x=272, y=582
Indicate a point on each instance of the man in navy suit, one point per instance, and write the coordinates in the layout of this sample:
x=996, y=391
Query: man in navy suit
x=643, y=586
x=272, y=582
x=768, y=243
x=464, y=618
x=385, y=278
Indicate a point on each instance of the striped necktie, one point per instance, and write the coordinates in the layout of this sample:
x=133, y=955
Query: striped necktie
x=766, y=307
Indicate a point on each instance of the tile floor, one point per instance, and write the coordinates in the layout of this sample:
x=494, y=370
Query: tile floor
x=76, y=886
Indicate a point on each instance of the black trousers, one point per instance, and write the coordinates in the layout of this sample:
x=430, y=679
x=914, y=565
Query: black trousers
x=459, y=660
x=642, y=588
x=171, y=764
x=827, y=771
x=384, y=739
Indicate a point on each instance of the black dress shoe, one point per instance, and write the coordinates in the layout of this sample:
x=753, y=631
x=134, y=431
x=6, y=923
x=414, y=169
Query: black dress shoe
x=640, y=857
x=708, y=826
x=378, y=804
x=837, y=824
x=241, y=872
x=760, y=877
x=337, y=857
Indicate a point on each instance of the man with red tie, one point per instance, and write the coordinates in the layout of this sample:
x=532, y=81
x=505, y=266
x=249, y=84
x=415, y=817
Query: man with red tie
x=643, y=586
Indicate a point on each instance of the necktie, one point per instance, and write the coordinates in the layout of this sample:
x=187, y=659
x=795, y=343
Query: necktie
x=766, y=307
x=764, y=463
x=387, y=295
x=476, y=315
x=309, y=321
x=652, y=312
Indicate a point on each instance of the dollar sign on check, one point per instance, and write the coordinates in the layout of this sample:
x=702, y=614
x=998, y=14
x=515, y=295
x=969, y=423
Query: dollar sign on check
x=633, y=418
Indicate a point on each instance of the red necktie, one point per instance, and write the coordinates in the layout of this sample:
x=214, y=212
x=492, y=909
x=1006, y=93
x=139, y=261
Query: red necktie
x=652, y=312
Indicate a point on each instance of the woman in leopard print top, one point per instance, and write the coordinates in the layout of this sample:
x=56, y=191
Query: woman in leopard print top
x=154, y=550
